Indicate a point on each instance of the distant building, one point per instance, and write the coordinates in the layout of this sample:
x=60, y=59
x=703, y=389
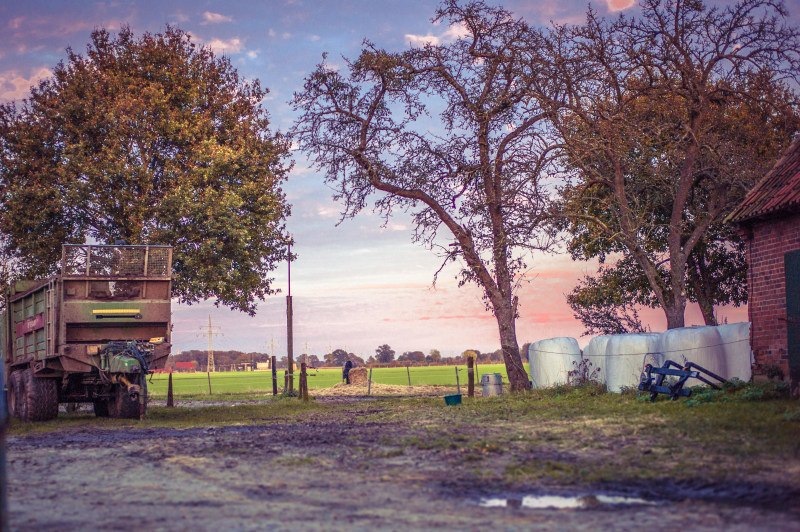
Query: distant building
x=769, y=221
x=185, y=367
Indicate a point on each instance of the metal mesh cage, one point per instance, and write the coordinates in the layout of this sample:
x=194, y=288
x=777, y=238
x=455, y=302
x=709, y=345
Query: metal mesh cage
x=158, y=262
x=124, y=261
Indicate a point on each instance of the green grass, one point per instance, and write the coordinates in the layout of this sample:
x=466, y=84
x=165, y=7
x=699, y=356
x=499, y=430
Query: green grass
x=252, y=384
x=565, y=434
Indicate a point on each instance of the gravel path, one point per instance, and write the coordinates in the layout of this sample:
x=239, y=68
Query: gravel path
x=328, y=472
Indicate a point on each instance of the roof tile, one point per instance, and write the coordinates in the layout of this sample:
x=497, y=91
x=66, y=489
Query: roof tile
x=778, y=191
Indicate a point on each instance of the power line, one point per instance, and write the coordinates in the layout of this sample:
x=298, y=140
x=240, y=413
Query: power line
x=209, y=330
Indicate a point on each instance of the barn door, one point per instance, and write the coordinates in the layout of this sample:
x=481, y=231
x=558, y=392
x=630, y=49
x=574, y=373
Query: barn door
x=791, y=263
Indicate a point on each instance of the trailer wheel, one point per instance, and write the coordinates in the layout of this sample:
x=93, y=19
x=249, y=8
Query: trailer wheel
x=39, y=397
x=13, y=397
x=122, y=406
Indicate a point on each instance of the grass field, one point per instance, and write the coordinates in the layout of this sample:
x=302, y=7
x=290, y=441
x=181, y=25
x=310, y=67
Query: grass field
x=248, y=382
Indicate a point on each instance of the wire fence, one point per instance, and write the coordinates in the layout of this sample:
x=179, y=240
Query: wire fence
x=244, y=382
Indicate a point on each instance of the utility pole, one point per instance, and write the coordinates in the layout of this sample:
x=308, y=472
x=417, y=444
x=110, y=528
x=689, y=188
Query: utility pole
x=209, y=330
x=272, y=348
x=289, y=332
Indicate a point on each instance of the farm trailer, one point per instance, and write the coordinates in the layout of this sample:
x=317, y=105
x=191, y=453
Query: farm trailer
x=90, y=334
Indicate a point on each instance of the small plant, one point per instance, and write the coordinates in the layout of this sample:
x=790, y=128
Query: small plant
x=772, y=371
x=583, y=373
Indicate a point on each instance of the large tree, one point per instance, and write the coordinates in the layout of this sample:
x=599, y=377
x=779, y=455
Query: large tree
x=154, y=141
x=384, y=354
x=668, y=118
x=474, y=176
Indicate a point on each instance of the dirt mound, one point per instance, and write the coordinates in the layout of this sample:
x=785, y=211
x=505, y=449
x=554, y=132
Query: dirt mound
x=358, y=376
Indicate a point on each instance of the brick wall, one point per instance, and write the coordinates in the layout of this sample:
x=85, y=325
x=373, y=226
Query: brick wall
x=768, y=241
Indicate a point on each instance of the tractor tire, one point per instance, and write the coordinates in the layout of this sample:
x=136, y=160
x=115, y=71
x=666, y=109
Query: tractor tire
x=13, y=397
x=101, y=408
x=122, y=406
x=39, y=397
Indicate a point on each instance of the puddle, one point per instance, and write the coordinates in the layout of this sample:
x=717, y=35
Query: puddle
x=560, y=502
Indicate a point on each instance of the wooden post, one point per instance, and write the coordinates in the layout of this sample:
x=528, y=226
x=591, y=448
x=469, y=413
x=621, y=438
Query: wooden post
x=477, y=375
x=303, y=382
x=457, y=383
x=170, y=401
x=209, y=382
x=409, y=375
x=369, y=382
x=470, y=377
x=274, y=377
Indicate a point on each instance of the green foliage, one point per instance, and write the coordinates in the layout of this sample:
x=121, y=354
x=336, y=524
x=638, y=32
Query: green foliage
x=738, y=392
x=384, y=354
x=151, y=140
x=663, y=142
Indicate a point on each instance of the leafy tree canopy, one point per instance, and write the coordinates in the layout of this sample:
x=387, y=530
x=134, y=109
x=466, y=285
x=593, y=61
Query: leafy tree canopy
x=152, y=140
x=384, y=354
x=668, y=119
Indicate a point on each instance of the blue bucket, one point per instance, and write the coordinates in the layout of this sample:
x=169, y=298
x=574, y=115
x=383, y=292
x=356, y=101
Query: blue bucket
x=452, y=400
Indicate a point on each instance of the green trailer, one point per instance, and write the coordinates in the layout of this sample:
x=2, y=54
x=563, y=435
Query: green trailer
x=90, y=334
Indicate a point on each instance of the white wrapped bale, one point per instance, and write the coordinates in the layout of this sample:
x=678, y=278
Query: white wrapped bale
x=738, y=355
x=701, y=345
x=552, y=359
x=626, y=355
x=595, y=354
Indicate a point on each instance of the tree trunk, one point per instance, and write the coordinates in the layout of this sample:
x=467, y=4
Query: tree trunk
x=517, y=376
x=675, y=315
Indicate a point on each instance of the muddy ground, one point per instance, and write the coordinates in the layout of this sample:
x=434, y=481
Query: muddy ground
x=335, y=471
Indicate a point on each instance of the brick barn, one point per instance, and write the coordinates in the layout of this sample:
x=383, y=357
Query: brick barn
x=769, y=221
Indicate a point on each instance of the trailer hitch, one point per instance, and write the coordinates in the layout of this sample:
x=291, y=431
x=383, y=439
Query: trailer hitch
x=134, y=390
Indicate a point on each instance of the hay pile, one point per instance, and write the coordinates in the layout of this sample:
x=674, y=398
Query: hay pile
x=354, y=390
x=358, y=376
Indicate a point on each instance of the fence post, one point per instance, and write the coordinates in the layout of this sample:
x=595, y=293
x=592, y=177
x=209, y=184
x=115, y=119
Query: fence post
x=303, y=382
x=369, y=382
x=408, y=370
x=470, y=377
x=285, y=381
x=274, y=377
x=457, y=383
x=209, y=382
x=170, y=402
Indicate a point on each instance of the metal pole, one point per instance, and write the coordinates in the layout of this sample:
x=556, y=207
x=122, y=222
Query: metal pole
x=289, y=332
x=457, y=383
x=409, y=375
x=369, y=382
x=470, y=377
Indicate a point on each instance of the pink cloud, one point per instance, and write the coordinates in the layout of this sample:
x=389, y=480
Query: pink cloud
x=619, y=5
x=215, y=18
x=15, y=85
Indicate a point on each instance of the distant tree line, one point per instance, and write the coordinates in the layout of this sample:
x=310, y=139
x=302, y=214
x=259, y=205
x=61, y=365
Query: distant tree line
x=384, y=357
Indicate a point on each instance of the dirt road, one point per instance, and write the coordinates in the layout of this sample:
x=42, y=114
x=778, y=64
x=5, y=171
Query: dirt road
x=328, y=471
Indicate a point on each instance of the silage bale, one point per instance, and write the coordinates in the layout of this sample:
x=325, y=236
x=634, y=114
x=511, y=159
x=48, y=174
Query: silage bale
x=552, y=359
x=701, y=345
x=626, y=355
x=738, y=355
x=595, y=354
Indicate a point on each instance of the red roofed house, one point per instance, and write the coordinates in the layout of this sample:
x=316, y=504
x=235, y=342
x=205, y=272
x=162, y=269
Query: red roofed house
x=769, y=221
x=186, y=366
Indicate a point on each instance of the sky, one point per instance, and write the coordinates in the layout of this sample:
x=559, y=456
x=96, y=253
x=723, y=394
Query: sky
x=356, y=284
